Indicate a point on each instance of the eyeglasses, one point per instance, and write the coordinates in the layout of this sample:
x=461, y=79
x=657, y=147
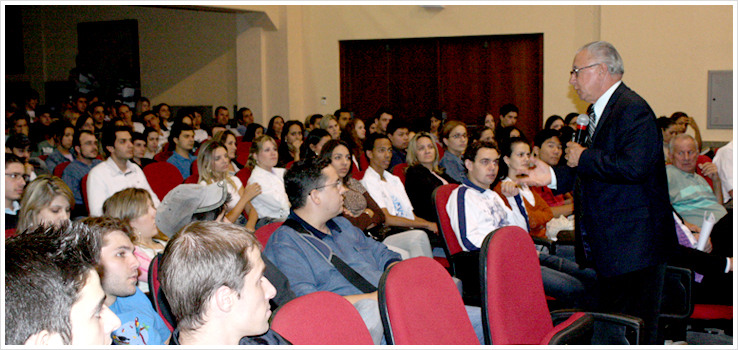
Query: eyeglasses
x=458, y=136
x=15, y=176
x=575, y=71
x=337, y=184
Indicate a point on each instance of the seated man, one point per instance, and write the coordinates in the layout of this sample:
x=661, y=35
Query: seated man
x=52, y=291
x=213, y=275
x=85, y=147
x=314, y=227
x=689, y=193
x=547, y=147
x=724, y=162
x=141, y=324
x=484, y=211
x=117, y=172
x=389, y=193
x=398, y=133
x=182, y=138
x=15, y=182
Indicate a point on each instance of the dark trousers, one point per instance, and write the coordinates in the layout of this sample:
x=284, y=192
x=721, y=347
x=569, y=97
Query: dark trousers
x=636, y=293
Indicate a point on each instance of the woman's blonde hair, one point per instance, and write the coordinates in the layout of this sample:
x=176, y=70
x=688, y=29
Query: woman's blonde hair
x=256, y=146
x=412, y=151
x=128, y=205
x=222, y=136
x=205, y=169
x=38, y=195
x=324, y=121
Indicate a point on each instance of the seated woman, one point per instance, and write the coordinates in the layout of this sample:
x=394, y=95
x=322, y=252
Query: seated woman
x=485, y=134
x=454, y=136
x=212, y=167
x=274, y=128
x=47, y=200
x=253, y=131
x=272, y=204
x=562, y=278
x=330, y=124
x=134, y=206
x=354, y=134
x=289, y=150
x=668, y=130
x=554, y=122
x=314, y=143
x=363, y=211
x=228, y=139
x=423, y=175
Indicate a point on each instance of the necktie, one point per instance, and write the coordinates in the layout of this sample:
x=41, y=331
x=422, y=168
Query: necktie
x=592, y=125
x=519, y=201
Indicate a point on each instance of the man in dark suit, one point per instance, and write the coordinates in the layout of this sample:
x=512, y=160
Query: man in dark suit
x=624, y=223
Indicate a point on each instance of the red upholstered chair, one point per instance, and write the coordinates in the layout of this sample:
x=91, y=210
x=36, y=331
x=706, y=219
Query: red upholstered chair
x=193, y=168
x=451, y=246
x=514, y=309
x=239, y=139
x=399, y=171
x=163, y=155
x=192, y=179
x=700, y=160
x=420, y=305
x=321, y=318
x=162, y=177
x=83, y=188
x=264, y=232
x=289, y=165
x=364, y=161
x=59, y=170
x=358, y=174
x=10, y=233
x=244, y=175
x=243, y=149
x=440, y=150
x=242, y=158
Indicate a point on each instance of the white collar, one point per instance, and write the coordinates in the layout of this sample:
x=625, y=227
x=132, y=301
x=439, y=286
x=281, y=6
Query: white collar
x=601, y=103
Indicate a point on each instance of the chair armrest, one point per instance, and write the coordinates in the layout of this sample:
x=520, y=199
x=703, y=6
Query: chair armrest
x=551, y=245
x=632, y=322
x=576, y=330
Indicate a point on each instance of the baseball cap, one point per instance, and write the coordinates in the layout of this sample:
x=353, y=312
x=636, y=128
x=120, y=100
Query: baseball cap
x=178, y=206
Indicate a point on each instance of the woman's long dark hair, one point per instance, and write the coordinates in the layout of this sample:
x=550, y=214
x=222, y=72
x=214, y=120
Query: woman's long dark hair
x=327, y=152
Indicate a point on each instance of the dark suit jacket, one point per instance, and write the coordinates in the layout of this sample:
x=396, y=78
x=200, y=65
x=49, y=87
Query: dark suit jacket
x=622, y=198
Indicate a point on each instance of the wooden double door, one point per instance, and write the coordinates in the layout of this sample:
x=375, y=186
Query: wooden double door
x=464, y=76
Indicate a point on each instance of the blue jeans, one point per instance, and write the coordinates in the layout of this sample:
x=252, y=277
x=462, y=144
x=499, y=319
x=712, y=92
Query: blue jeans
x=565, y=281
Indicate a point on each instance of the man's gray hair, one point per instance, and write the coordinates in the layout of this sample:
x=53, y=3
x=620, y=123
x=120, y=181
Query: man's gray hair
x=607, y=54
x=681, y=137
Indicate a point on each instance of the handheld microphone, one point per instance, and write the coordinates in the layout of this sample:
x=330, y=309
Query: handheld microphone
x=581, y=133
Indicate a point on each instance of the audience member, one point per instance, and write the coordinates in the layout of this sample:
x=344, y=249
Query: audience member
x=683, y=122
x=314, y=143
x=164, y=112
x=506, y=133
x=423, y=175
x=244, y=117
x=221, y=115
x=152, y=121
x=47, y=201
x=253, y=131
x=134, y=207
x=381, y=119
x=724, y=162
x=508, y=115
x=397, y=131
x=343, y=116
x=272, y=204
x=489, y=120
x=142, y=105
x=19, y=145
x=52, y=291
x=312, y=122
x=139, y=151
x=117, y=172
x=289, y=150
x=21, y=124
x=15, y=181
x=330, y=124
x=668, y=130
x=228, y=139
x=388, y=191
x=189, y=203
x=689, y=192
x=140, y=323
x=571, y=120
x=79, y=106
x=64, y=139
x=274, y=128
x=85, y=122
x=435, y=120
x=485, y=134
x=212, y=167
x=354, y=134
x=360, y=209
x=183, y=138
x=85, y=146
x=316, y=193
x=455, y=138
x=548, y=148
x=554, y=122
x=218, y=291
x=200, y=134
x=152, y=142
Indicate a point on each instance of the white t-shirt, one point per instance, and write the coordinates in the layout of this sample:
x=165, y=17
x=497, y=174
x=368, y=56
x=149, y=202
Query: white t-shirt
x=389, y=194
x=233, y=191
x=724, y=162
x=273, y=201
